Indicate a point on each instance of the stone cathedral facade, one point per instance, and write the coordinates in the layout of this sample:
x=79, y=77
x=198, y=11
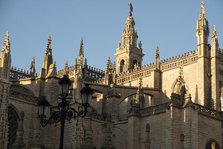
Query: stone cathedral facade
x=170, y=104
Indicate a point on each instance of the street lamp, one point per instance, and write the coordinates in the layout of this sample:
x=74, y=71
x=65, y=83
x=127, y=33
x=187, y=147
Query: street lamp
x=64, y=111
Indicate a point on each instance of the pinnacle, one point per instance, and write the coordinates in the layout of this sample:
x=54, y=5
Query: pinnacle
x=49, y=42
x=202, y=12
x=81, y=52
x=33, y=59
x=157, y=52
x=7, y=34
x=214, y=32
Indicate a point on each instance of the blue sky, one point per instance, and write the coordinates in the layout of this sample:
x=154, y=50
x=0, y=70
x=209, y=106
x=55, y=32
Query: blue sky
x=169, y=24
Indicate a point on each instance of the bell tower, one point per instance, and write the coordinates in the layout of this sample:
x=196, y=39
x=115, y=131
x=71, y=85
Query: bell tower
x=128, y=54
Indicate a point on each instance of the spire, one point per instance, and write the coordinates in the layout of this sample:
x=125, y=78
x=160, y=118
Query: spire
x=202, y=33
x=157, y=58
x=81, y=55
x=81, y=51
x=48, y=49
x=202, y=22
x=66, y=68
x=6, y=44
x=202, y=11
x=5, y=58
x=32, y=67
x=48, y=58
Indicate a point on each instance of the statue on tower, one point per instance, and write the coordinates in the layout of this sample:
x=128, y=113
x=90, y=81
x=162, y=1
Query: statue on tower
x=130, y=9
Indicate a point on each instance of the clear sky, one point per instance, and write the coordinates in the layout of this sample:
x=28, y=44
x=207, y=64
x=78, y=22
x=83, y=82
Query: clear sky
x=169, y=24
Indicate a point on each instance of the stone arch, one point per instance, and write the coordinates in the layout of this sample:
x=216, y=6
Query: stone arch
x=212, y=144
x=122, y=66
x=13, y=123
x=134, y=93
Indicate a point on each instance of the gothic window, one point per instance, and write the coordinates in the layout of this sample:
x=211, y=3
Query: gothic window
x=12, y=126
x=122, y=66
x=135, y=64
x=212, y=145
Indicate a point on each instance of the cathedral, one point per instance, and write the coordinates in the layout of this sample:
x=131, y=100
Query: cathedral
x=175, y=103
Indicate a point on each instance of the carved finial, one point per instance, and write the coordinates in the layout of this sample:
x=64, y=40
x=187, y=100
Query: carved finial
x=214, y=32
x=140, y=45
x=32, y=67
x=108, y=65
x=157, y=52
x=214, y=39
x=119, y=44
x=130, y=9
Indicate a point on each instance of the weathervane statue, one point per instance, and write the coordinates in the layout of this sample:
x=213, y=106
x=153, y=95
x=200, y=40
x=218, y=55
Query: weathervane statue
x=130, y=9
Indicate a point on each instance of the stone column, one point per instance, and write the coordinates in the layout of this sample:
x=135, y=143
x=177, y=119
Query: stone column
x=4, y=93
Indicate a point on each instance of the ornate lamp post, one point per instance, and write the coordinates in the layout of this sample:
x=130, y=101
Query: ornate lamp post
x=64, y=111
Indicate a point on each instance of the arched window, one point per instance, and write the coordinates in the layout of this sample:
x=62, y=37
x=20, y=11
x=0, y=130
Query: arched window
x=134, y=64
x=212, y=144
x=122, y=66
x=147, y=128
x=13, y=119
